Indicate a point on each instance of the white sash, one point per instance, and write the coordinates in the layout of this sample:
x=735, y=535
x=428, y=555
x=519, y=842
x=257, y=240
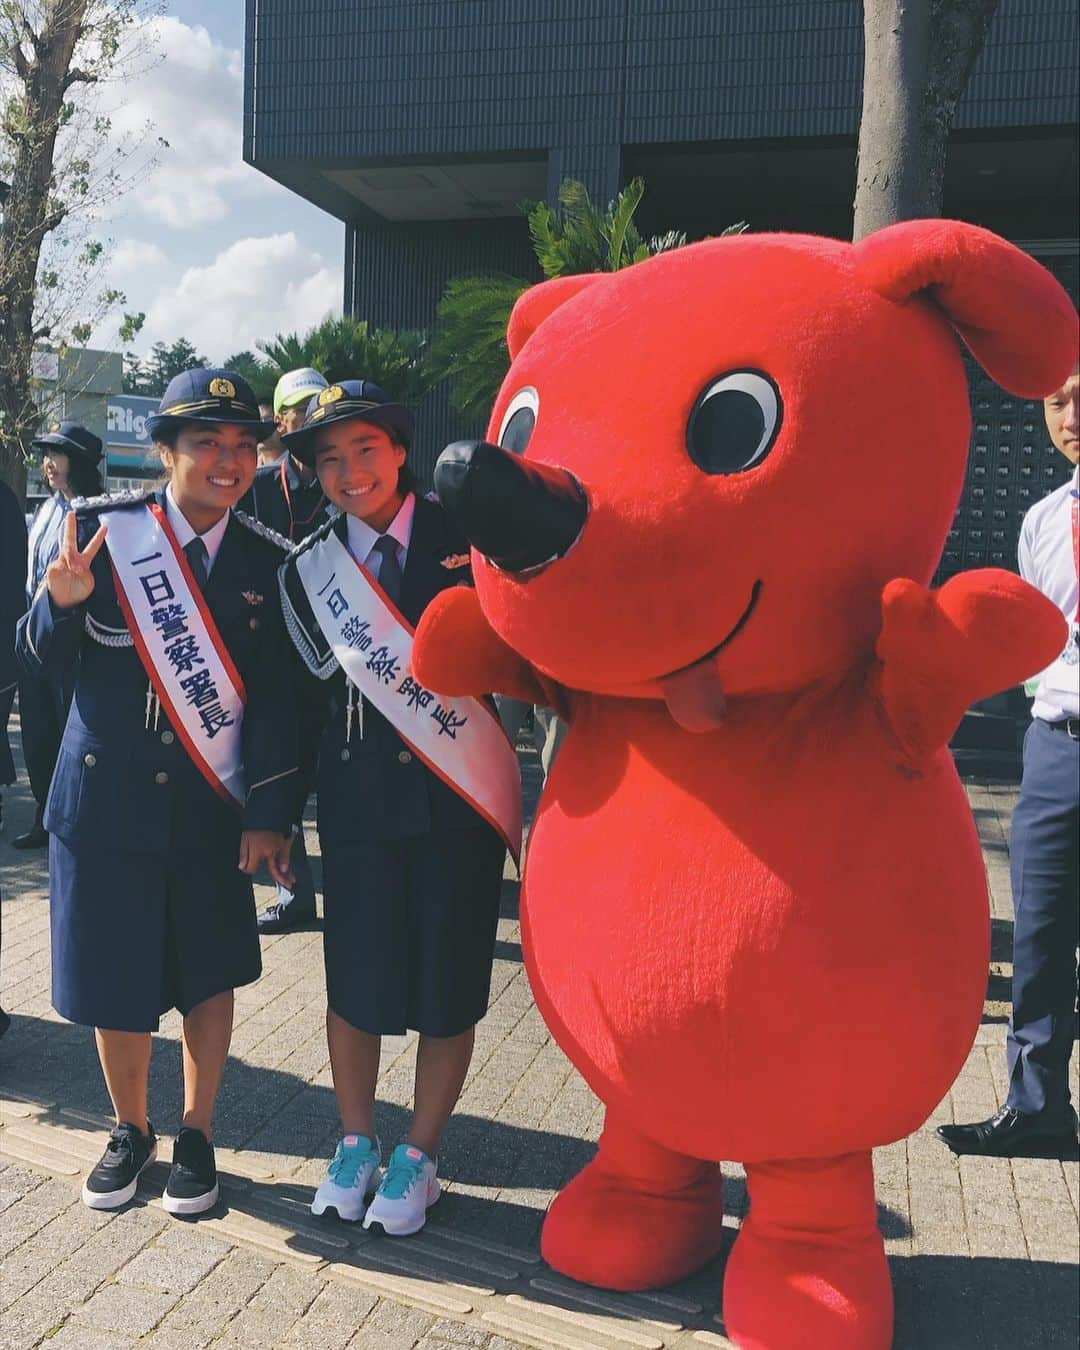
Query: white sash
x=179, y=644
x=460, y=739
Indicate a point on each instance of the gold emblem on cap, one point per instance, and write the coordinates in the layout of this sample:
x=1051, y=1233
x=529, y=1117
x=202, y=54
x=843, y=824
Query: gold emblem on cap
x=222, y=389
x=54, y=426
x=331, y=395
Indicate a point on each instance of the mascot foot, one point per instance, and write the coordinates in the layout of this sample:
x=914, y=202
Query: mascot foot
x=808, y=1269
x=636, y=1217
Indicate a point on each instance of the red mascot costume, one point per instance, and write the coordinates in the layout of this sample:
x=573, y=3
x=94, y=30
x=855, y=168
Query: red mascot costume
x=754, y=912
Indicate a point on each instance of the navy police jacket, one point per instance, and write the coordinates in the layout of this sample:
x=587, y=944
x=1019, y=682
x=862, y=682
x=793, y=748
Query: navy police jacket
x=371, y=786
x=12, y=583
x=279, y=499
x=120, y=783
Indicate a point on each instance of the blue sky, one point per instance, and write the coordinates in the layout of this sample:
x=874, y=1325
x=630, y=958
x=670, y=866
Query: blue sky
x=209, y=248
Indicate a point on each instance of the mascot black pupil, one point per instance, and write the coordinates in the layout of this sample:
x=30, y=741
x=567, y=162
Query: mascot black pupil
x=725, y=432
x=518, y=430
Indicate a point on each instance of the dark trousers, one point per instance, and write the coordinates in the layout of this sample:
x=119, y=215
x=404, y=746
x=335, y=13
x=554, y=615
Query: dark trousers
x=1045, y=877
x=7, y=763
x=43, y=710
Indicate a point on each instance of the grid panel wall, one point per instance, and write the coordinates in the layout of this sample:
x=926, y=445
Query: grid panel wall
x=395, y=278
x=1011, y=462
x=369, y=78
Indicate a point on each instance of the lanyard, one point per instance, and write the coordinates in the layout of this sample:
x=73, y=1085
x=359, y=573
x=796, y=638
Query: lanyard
x=1076, y=545
x=293, y=522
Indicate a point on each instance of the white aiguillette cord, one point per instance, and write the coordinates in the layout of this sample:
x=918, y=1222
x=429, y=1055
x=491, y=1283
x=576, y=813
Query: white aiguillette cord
x=153, y=703
x=354, y=707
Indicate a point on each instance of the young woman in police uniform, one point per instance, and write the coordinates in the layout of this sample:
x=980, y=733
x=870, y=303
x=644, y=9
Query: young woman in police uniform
x=177, y=770
x=411, y=869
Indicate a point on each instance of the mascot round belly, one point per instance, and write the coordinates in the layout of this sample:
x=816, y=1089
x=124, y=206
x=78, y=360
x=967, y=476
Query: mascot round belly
x=716, y=487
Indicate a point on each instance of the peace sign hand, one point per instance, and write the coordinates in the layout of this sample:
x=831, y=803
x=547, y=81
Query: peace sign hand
x=69, y=579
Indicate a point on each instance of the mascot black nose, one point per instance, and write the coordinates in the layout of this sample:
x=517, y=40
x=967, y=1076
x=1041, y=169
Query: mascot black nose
x=518, y=514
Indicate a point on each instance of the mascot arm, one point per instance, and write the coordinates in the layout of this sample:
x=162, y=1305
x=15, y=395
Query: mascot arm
x=940, y=651
x=455, y=652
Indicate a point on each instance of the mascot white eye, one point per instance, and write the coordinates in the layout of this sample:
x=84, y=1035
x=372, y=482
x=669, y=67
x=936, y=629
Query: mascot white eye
x=734, y=423
x=519, y=420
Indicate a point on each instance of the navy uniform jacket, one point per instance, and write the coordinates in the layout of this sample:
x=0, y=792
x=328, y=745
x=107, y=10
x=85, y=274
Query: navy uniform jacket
x=295, y=509
x=119, y=784
x=372, y=786
x=12, y=605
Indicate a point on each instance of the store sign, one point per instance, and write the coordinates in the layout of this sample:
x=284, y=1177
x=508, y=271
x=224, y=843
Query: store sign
x=126, y=436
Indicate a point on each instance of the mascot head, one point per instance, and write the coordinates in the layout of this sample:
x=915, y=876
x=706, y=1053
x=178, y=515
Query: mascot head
x=701, y=471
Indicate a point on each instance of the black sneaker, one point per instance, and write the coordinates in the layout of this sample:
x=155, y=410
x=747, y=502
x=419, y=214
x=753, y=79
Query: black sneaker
x=193, y=1185
x=115, y=1179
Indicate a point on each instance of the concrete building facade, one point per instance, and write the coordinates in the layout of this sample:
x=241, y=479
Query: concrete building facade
x=423, y=124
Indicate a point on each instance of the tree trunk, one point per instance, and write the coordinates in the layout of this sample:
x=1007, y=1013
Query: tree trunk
x=29, y=213
x=919, y=55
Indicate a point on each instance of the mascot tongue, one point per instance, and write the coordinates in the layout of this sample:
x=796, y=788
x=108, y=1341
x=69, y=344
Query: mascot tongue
x=694, y=697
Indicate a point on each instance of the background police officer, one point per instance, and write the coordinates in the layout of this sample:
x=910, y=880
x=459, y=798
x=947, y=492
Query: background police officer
x=69, y=458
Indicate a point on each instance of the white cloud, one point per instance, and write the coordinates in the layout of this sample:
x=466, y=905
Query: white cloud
x=178, y=257
x=255, y=288
x=192, y=97
x=132, y=258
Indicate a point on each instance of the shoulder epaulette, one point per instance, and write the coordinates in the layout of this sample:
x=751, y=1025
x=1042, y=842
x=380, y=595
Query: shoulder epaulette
x=263, y=531
x=111, y=503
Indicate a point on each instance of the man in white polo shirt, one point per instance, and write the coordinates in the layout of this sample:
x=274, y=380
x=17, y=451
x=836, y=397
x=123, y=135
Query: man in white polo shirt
x=1038, y=1116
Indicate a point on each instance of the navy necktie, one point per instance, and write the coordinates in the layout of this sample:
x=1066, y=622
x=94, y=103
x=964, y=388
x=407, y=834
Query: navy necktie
x=389, y=570
x=198, y=560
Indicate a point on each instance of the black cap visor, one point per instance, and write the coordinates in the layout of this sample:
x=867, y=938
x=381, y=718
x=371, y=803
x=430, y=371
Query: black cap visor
x=53, y=441
x=171, y=423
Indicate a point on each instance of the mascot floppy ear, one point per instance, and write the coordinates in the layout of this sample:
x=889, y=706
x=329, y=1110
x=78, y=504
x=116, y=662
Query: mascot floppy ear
x=1017, y=320
x=534, y=306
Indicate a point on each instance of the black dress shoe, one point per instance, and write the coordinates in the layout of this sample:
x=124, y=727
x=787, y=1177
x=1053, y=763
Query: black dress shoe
x=38, y=837
x=288, y=911
x=1014, y=1134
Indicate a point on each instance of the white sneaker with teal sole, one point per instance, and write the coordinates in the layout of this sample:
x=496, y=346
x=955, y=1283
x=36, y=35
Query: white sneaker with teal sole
x=409, y=1189
x=352, y=1175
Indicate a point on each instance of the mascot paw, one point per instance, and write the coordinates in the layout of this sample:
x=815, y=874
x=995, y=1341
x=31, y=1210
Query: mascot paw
x=605, y=1229
x=781, y=1293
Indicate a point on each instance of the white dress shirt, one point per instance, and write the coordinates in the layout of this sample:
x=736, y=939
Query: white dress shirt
x=185, y=534
x=1048, y=561
x=362, y=538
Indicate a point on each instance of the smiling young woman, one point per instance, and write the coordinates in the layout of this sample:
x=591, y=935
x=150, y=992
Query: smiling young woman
x=412, y=865
x=209, y=469
x=177, y=773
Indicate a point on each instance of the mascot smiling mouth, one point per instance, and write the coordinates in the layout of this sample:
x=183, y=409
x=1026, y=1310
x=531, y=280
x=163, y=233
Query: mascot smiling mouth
x=693, y=693
x=523, y=516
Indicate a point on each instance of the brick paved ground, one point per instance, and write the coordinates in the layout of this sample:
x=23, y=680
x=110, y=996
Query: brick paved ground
x=984, y=1253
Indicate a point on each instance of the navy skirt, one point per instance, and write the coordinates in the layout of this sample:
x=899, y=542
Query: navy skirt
x=135, y=934
x=409, y=930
